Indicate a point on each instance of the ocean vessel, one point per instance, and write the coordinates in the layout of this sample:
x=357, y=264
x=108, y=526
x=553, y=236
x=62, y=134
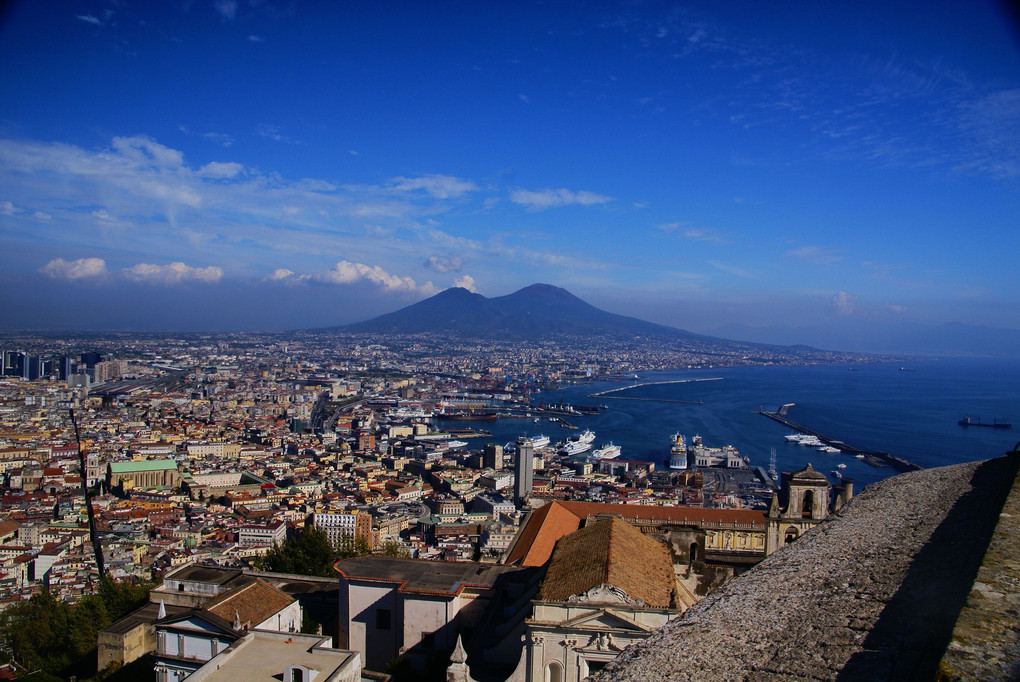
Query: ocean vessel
x=606, y=452
x=575, y=445
x=678, y=452
x=995, y=423
x=539, y=441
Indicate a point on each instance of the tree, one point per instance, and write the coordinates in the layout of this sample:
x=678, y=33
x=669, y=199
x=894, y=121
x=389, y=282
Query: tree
x=307, y=553
x=121, y=597
x=47, y=634
x=394, y=548
x=351, y=547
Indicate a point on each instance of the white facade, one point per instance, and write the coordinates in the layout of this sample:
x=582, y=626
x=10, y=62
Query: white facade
x=567, y=641
x=336, y=526
x=262, y=536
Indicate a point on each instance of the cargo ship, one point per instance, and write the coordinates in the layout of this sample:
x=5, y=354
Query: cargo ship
x=995, y=423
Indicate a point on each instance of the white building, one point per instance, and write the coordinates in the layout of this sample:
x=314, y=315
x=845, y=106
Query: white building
x=262, y=535
x=393, y=607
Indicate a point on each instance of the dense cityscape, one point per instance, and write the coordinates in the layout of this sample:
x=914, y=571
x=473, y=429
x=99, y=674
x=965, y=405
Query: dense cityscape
x=213, y=449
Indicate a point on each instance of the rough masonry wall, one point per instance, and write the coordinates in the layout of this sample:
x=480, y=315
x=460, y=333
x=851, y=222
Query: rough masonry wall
x=872, y=593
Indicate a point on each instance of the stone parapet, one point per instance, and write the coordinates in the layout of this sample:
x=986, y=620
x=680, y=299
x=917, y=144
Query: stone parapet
x=871, y=593
x=986, y=639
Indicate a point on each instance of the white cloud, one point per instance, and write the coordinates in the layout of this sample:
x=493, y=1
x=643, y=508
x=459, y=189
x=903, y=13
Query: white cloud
x=172, y=210
x=105, y=216
x=346, y=272
x=732, y=269
x=285, y=276
x=89, y=19
x=816, y=254
x=553, y=198
x=226, y=8
x=439, y=186
x=843, y=303
x=444, y=263
x=7, y=208
x=144, y=150
x=216, y=169
x=82, y=268
x=280, y=274
x=466, y=282
x=700, y=234
x=173, y=273
x=256, y=39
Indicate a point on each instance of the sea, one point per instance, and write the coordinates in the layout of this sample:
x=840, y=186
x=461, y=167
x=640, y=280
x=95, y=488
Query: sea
x=908, y=409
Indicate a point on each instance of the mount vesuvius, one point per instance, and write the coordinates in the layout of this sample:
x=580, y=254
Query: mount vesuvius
x=534, y=312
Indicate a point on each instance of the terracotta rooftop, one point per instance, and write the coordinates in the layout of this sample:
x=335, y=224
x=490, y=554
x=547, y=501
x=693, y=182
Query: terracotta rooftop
x=251, y=603
x=612, y=552
x=558, y=519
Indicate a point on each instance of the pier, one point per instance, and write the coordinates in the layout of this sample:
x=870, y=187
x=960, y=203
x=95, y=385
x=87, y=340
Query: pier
x=609, y=392
x=873, y=457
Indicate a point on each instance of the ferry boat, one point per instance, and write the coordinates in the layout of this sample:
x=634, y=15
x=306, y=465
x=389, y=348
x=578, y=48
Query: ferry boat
x=539, y=441
x=607, y=452
x=579, y=443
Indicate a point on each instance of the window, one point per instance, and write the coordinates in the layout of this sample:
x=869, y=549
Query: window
x=382, y=619
x=595, y=666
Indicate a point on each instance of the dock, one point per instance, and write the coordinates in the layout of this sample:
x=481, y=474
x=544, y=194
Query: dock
x=873, y=457
x=610, y=391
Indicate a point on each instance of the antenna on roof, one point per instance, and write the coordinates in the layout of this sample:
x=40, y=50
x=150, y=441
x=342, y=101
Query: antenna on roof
x=96, y=547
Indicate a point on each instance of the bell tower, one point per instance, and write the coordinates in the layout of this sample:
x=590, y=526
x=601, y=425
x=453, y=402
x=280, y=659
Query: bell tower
x=808, y=502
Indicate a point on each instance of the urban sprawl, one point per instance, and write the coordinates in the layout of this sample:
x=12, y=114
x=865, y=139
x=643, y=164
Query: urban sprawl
x=203, y=452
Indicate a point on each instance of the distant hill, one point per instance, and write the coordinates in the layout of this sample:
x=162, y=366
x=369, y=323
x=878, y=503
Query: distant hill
x=533, y=312
x=851, y=335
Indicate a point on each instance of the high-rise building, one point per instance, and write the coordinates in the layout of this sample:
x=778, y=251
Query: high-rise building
x=492, y=456
x=65, y=367
x=524, y=471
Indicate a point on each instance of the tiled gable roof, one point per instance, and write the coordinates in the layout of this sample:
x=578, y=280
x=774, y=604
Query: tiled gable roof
x=558, y=519
x=611, y=552
x=252, y=603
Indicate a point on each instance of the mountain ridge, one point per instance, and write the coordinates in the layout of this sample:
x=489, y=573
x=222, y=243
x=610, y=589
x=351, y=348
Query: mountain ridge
x=533, y=311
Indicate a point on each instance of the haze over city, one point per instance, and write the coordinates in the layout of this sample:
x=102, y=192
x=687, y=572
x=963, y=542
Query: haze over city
x=258, y=165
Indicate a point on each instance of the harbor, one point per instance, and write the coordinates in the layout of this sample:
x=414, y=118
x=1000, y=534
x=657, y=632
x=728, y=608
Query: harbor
x=873, y=457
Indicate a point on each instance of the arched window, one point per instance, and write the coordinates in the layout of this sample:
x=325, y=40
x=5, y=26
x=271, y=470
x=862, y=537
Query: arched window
x=806, y=503
x=554, y=672
x=791, y=535
x=694, y=553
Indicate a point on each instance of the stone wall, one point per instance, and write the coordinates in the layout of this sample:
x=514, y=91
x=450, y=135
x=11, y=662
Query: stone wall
x=871, y=593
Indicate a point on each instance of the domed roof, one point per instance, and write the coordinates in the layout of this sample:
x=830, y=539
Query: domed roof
x=809, y=475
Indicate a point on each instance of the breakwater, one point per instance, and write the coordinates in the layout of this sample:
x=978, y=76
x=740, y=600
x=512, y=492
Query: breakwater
x=873, y=457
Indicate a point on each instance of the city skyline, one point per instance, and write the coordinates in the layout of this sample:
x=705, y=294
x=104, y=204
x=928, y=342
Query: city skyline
x=254, y=165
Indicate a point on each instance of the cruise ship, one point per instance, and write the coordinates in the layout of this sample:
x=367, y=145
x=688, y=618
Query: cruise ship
x=579, y=443
x=677, y=452
x=607, y=452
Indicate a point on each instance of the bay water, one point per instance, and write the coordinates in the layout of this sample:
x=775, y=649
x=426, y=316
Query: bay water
x=910, y=410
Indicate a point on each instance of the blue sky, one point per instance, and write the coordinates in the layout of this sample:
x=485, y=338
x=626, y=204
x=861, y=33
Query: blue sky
x=260, y=165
